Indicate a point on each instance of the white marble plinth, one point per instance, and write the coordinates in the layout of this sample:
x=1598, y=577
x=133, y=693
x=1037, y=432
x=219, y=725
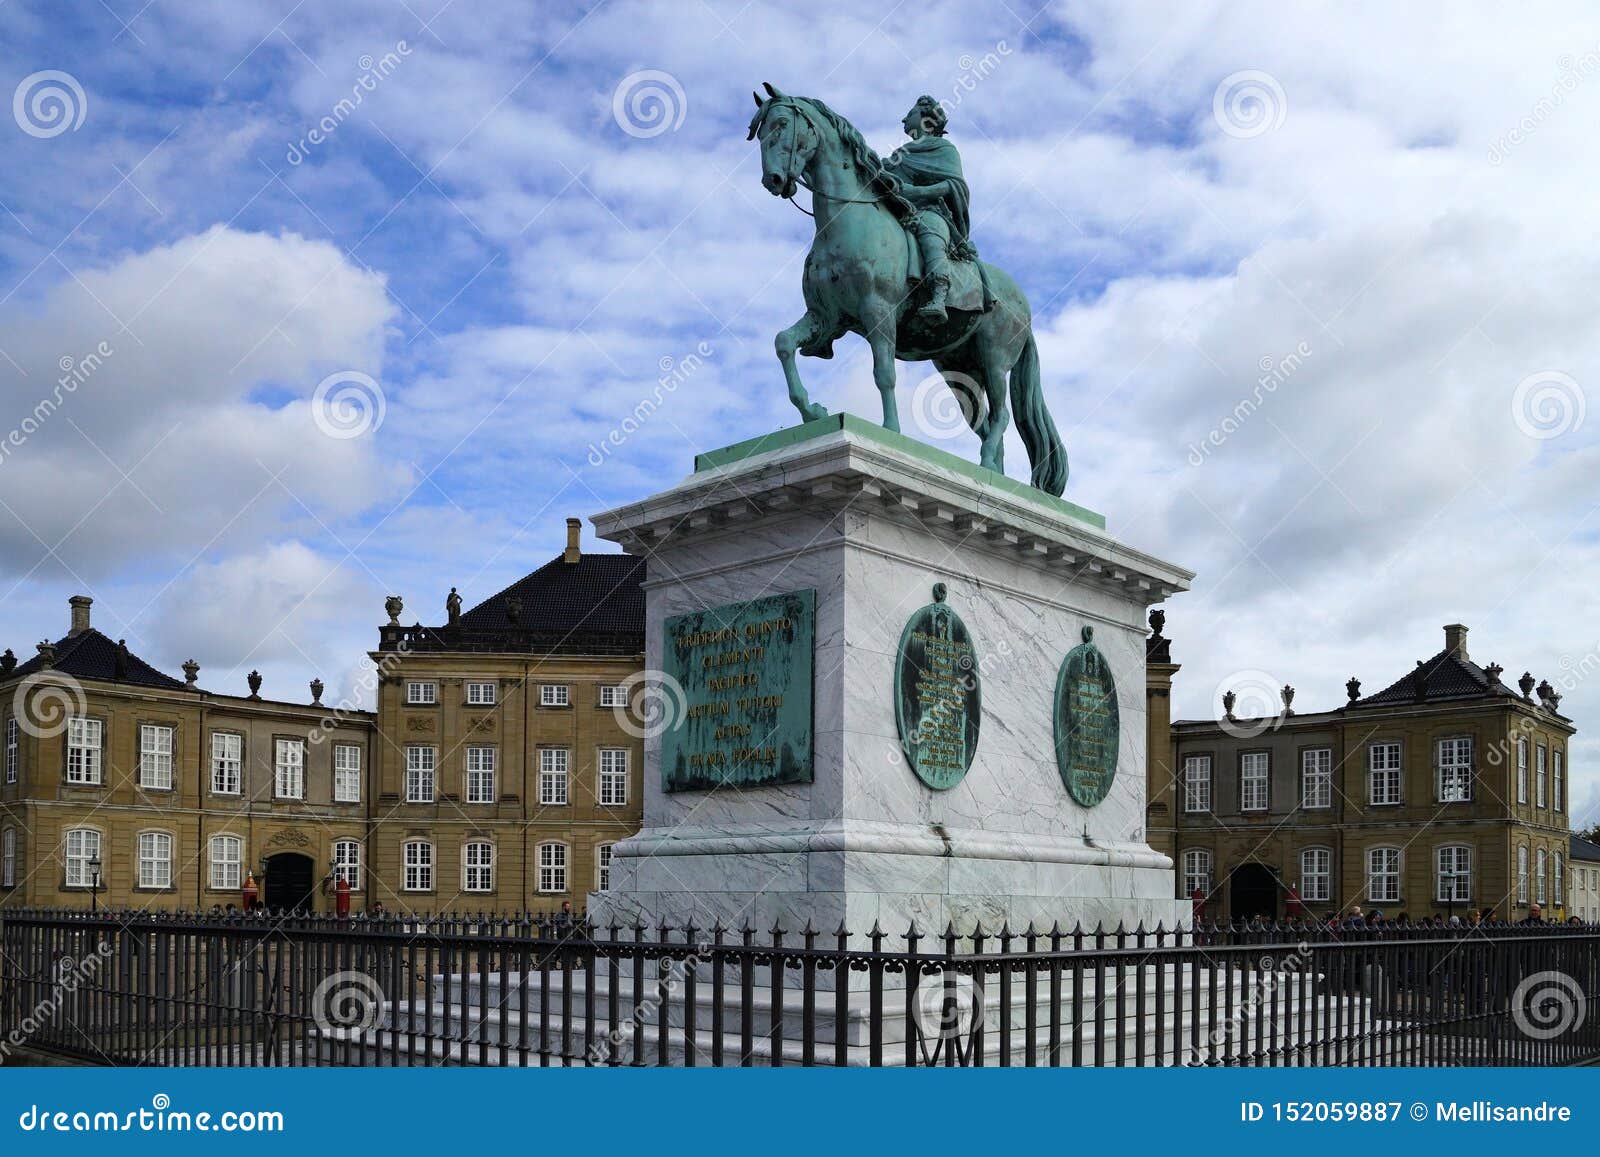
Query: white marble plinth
x=871, y=522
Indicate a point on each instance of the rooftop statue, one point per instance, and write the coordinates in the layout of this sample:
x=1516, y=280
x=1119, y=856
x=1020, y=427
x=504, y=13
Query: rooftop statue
x=893, y=262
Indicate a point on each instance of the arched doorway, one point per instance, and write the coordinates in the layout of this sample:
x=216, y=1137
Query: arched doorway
x=1253, y=891
x=291, y=880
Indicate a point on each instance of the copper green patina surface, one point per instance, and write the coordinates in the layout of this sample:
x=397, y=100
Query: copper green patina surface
x=938, y=700
x=745, y=671
x=806, y=431
x=1087, y=728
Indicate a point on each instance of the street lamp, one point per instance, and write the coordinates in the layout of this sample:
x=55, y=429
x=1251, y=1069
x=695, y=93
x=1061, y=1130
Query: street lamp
x=1449, y=878
x=94, y=884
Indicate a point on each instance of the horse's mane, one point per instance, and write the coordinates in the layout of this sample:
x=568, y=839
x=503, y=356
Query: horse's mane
x=863, y=154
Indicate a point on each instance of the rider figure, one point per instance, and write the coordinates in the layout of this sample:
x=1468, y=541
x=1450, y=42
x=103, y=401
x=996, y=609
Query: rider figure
x=927, y=170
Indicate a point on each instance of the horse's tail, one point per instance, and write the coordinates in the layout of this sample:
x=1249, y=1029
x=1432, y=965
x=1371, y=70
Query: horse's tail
x=1045, y=451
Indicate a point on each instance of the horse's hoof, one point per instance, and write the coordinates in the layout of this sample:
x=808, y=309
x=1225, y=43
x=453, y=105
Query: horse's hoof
x=811, y=412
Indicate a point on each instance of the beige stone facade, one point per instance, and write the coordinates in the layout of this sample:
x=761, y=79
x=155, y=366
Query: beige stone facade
x=494, y=774
x=1445, y=792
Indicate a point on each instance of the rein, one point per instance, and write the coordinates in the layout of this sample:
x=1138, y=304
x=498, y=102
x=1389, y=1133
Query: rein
x=794, y=130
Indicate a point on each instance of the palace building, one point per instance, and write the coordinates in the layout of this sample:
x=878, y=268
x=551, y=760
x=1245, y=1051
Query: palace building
x=1445, y=791
x=494, y=774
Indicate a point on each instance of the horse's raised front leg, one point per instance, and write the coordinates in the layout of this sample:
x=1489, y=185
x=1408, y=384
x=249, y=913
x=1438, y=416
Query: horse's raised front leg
x=787, y=341
x=883, y=374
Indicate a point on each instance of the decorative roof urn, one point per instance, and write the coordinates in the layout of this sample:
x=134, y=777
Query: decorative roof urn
x=1288, y=699
x=1352, y=688
x=1228, y=700
x=191, y=672
x=394, y=604
x=254, y=679
x=316, y=692
x=1526, y=684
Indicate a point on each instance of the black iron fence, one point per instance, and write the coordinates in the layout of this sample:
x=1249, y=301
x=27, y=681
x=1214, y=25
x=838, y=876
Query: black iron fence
x=141, y=989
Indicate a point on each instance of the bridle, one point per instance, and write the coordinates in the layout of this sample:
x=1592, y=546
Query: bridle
x=800, y=111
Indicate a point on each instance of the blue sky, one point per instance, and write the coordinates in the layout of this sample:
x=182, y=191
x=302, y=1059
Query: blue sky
x=1396, y=208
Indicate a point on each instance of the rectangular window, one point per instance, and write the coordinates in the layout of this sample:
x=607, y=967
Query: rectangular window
x=1558, y=779
x=1559, y=878
x=1253, y=775
x=602, y=868
x=553, y=868
x=1197, y=783
x=613, y=695
x=82, y=847
x=347, y=862
x=13, y=748
x=1454, y=875
x=1522, y=874
x=420, y=693
x=1455, y=769
x=227, y=758
x=420, y=762
x=155, y=860
x=553, y=695
x=1383, y=772
x=1316, y=872
x=477, y=870
x=418, y=866
x=481, y=694
x=1539, y=787
x=1316, y=777
x=1541, y=867
x=480, y=775
x=553, y=776
x=613, y=776
x=84, y=740
x=227, y=856
x=155, y=756
x=346, y=773
x=1522, y=771
x=289, y=768
x=1383, y=875
x=1197, y=872
x=8, y=858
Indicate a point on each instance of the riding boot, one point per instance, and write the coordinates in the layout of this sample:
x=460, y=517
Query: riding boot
x=933, y=309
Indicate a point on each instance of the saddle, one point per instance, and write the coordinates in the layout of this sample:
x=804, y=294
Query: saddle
x=969, y=286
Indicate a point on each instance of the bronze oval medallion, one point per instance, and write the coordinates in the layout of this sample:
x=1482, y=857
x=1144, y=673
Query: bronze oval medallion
x=1086, y=722
x=937, y=696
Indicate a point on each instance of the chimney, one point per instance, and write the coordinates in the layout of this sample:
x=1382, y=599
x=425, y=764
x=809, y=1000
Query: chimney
x=573, y=554
x=1455, y=640
x=80, y=605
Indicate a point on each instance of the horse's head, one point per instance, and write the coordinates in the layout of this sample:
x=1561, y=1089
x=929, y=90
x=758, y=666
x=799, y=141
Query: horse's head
x=789, y=138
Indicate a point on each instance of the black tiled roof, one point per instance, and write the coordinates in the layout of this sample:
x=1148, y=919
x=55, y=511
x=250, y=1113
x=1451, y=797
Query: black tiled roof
x=90, y=655
x=1445, y=676
x=1582, y=849
x=592, y=606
